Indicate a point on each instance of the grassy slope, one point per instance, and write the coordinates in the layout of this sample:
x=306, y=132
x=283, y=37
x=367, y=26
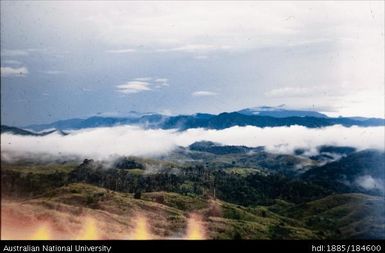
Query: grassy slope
x=39, y=169
x=166, y=212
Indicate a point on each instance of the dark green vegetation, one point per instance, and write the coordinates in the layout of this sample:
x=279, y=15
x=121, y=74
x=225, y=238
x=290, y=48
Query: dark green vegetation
x=241, y=192
x=344, y=174
x=254, y=188
x=343, y=215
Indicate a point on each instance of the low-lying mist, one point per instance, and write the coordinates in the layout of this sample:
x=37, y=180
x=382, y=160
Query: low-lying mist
x=107, y=143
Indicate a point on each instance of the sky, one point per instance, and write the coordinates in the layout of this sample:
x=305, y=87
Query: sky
x=63, y=60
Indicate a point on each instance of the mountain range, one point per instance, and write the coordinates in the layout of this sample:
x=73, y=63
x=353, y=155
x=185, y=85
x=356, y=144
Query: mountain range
x=258, y=116
x=19, y=131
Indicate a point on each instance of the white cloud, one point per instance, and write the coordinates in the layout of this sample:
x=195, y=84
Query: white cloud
x=120, y=51
x=203, y=93
x=293, y=92
x=193, y=26
x=10, y=71
x=344, y=99
x=142, y=84
x=133, y=87
x=12, y=62
x=161, y=82
x=370, y=183
x=14, y=52
x=104, y=143
x=192, y=48
x=145, y=79
x=206, y=26
x=287, y=139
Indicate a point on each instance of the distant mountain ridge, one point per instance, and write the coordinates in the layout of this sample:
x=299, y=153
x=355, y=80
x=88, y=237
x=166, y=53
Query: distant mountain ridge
x=19, y=131
x=259, y=117
x=279, y=112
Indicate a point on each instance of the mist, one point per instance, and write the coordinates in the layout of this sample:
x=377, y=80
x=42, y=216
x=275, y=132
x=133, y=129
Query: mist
x=110, y=142
x=369, y=183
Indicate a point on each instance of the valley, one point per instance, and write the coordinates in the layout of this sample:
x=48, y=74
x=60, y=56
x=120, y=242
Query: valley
x=204, y=191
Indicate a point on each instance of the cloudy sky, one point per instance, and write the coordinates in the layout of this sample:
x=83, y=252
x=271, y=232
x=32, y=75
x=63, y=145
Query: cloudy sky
x=76, y=59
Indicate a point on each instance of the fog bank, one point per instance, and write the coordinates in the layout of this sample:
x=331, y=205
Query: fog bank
x=106, y=143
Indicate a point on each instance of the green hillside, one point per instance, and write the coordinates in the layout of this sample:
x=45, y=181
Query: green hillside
x=232, y=203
